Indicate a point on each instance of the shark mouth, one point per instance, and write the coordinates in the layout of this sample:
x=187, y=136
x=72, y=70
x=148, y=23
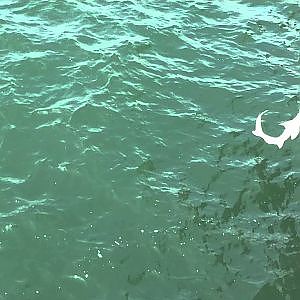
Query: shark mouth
x=291, y=130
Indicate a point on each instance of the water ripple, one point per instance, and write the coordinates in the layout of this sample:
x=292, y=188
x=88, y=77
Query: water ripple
x=126, y=149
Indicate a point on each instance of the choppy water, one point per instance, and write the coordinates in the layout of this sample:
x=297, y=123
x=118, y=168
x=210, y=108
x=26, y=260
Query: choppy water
x=128, y=168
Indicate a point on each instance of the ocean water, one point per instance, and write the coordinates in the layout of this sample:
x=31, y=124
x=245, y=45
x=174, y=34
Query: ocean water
x=128, y=169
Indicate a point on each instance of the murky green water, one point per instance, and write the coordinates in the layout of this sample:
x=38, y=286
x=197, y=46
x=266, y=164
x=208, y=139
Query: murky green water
x=128, y=169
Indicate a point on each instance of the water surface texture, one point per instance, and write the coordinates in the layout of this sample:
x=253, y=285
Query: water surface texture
x=128, y=169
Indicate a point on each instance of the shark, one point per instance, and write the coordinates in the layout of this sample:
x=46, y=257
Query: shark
x=291, y=130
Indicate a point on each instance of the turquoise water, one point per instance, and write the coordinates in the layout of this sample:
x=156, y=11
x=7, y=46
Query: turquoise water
x=128, y=167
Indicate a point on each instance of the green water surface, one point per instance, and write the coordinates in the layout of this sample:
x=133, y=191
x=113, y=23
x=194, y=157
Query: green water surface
x=128, y=169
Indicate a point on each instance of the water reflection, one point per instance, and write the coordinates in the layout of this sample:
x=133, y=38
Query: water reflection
x=249, y=236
